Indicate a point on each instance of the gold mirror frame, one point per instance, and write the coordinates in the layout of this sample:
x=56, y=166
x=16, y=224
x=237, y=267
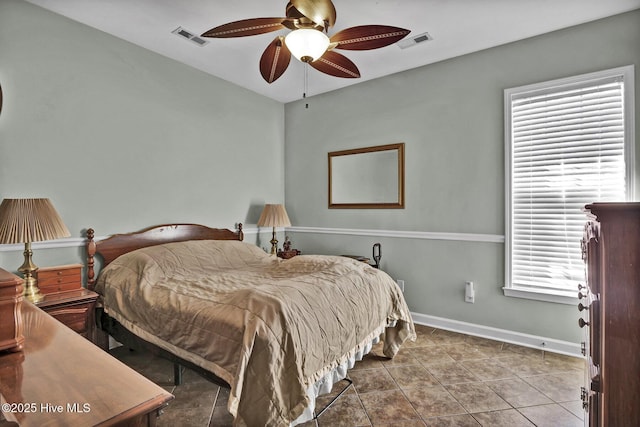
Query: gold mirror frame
x=396, y=167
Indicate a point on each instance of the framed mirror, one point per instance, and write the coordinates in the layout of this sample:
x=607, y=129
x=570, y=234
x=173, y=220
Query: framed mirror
x=367, y=178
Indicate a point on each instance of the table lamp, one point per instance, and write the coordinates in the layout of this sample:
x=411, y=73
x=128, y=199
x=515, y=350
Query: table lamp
x=274, y=216
x=26, y=221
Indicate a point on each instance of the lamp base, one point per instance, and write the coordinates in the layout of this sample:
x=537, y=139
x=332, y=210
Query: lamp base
x=28, y=268
x=274, y=243
x=31, y=290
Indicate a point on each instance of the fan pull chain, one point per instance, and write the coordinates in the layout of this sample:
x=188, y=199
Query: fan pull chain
x=306, y=83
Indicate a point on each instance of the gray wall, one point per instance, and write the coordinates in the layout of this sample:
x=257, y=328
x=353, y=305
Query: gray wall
x=450, y=116
x=120, y=138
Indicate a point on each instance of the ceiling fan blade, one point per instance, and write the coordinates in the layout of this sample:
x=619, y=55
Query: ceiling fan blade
x=336, y=64
x=246, y=27
x=275, y=60
x=322, y=12
x=367, y=37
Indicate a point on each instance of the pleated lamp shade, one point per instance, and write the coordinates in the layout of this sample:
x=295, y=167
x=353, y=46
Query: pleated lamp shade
x=274, y=216
x=30, y=220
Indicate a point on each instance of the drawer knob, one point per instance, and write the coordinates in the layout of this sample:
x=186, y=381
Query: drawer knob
x=581, y=307
x=582, y=323
x=581, y=286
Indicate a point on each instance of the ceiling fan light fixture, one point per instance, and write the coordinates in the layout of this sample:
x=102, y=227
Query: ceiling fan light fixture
x=307, y=44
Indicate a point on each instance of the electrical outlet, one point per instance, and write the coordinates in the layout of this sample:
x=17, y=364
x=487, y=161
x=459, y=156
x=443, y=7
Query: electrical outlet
x=469, y=292
x=401, y=284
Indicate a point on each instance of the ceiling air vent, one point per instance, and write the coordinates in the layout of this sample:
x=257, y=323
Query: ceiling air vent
x=189, y=36
x=412, y=41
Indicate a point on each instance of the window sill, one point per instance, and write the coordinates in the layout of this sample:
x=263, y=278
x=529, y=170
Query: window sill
x=557, y=297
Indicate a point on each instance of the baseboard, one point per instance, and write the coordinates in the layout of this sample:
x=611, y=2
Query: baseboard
x=512, y=337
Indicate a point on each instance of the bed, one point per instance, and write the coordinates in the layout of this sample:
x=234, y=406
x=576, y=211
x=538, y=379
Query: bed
x=277, y=332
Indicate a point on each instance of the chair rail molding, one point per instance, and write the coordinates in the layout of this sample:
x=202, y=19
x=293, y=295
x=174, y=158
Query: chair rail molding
x=425, y=235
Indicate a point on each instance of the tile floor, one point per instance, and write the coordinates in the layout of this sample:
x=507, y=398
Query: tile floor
x=443, y=379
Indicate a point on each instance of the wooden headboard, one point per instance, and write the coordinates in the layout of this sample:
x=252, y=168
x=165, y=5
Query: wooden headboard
x=118, y=244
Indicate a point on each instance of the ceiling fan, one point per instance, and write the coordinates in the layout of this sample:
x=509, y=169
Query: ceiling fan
x=309, y=21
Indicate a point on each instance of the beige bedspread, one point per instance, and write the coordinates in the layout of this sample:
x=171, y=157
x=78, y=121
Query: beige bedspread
x=270, y=328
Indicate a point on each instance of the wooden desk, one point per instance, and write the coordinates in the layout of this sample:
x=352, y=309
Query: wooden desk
x=61, y=379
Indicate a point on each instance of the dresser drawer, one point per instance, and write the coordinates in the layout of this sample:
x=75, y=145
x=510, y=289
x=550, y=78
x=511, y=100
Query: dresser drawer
x=60, y=278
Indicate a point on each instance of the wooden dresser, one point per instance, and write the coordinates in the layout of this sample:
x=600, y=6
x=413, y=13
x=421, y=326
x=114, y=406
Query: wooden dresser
x=61, y=379
x=11, y=337
x=610, y=309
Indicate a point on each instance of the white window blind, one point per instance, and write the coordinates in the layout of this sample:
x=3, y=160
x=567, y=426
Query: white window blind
x=567, y=149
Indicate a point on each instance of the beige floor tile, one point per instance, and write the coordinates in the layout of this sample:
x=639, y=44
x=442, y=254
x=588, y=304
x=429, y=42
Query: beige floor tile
x=562, y=363
x=422, y=340
x=488, y=369
x=347, y=411
x=424, y=330
x=220, y=418
x=223, y=397
x=485, y=342
x=575, y=408
x=404, y=423
x=506, y=418
x=564, y=387
x=188, y=416
x=465, y=351
x=387, y=407
x=523, y=351
x=518, y=393
x=552, y=415
x=404, y=357
x=451, y=373
x=441, y=336
x=368, y=380
x=434, y=402
x=525, y=365
x=412, y=376
x=453, y=421
x=431, y=355
x=477, y=397
x=370, y=361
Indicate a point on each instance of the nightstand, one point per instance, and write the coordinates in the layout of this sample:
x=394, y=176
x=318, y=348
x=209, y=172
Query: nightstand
x=288, y=254
x=74, y=308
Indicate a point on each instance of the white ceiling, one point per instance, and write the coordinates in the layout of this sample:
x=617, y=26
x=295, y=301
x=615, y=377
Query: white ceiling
x=457, y=27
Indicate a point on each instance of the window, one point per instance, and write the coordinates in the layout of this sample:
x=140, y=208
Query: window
x=569, y=142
